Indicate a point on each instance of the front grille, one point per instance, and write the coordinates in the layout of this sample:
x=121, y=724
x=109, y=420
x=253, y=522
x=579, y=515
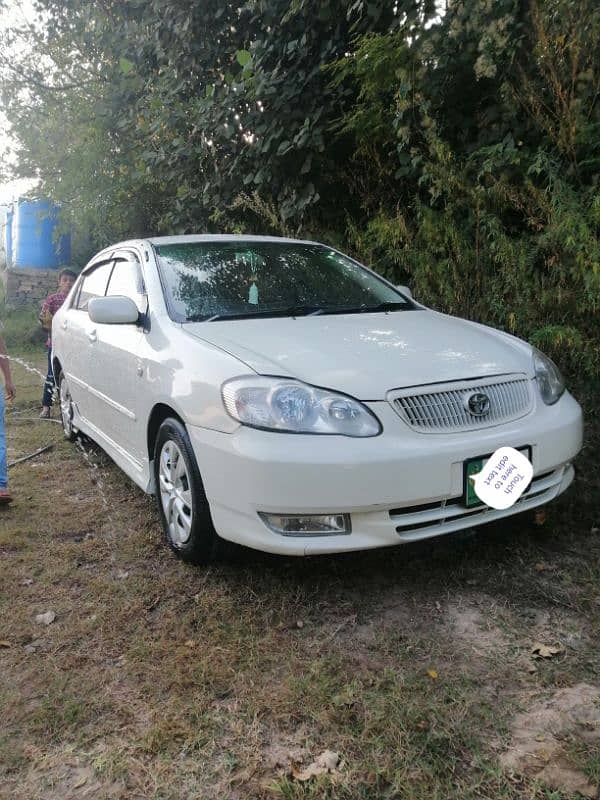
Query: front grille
x=445, y=408
x=430, y=519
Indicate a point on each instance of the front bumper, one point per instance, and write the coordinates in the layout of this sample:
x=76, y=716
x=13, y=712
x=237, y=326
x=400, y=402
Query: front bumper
x=398, y=487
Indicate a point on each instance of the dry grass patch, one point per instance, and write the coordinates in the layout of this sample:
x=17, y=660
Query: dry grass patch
x=158, y=680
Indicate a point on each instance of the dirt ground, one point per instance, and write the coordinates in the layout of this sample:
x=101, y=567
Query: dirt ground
x=467, y=667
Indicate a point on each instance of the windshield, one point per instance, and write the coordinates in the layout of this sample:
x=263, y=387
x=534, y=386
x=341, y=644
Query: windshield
x=205, y=281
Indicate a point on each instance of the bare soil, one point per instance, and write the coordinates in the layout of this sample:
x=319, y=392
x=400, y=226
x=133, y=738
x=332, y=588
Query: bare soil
x=415, y=665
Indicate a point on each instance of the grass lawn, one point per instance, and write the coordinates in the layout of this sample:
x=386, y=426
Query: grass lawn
x=413, y=665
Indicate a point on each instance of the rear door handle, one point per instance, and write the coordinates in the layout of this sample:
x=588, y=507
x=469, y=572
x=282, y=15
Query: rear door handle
x=64, y=324
x=92, y=335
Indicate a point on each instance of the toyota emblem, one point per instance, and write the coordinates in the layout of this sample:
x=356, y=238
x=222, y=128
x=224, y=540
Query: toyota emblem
x=478, y=404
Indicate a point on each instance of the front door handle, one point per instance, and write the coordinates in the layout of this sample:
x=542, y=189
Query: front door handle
x=92, y=335
x=64, y=324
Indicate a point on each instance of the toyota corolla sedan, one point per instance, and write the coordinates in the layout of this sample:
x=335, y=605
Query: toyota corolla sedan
x=278, y=394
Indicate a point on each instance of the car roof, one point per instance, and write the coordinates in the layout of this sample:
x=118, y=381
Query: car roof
x=195, y=237
x=204, y=237
x=222, y=237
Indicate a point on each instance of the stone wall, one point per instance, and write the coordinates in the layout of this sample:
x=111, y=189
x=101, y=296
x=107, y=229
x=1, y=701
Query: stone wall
x=28, y=287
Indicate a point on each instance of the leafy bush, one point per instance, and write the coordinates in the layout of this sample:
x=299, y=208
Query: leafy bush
x=21, y=330
x=458, y=152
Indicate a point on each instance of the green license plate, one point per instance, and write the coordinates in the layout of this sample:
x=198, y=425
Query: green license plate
x=471, y=467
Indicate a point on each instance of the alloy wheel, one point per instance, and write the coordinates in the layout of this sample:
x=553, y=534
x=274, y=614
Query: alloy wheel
x=175, y=493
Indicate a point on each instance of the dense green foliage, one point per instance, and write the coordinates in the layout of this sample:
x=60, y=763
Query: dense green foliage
x=458, y=152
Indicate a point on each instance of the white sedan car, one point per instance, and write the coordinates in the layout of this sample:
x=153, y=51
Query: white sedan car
x=278, y=394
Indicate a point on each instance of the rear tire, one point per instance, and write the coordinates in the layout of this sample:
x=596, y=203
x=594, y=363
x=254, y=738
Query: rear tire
x=67, y=410
x=182, y=505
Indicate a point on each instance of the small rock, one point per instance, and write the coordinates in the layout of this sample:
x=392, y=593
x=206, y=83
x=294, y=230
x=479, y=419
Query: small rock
x=327, y=762
x=45, y=619
x=37, y=644
x=122, y=574
x=574, y=643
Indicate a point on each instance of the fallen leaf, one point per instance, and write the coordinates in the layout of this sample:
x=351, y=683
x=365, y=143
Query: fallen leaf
x=541, y=567
x=540, y=517
x=325, y=763
x=433, y=674
x=81, y=782
x=299, y=624
x=4, y=643
x=46, y=619
x=540, y=650
x=190, y=643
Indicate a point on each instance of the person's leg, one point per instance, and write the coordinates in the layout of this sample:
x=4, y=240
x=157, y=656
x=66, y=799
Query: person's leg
x=48, y=388
x=4, y=493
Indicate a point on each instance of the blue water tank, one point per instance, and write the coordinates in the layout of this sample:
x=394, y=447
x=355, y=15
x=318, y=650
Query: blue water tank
x=8, y=241
x=33, y=244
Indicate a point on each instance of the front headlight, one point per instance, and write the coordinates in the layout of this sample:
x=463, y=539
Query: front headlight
x=278, y=404
x=549, y=380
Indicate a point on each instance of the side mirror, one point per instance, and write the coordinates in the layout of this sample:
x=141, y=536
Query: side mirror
x=113, y=310
x=405, y=290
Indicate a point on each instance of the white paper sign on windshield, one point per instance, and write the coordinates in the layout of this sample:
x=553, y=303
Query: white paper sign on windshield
x=503, y=478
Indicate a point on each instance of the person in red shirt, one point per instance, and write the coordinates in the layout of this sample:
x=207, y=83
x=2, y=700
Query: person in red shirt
x=66, y=279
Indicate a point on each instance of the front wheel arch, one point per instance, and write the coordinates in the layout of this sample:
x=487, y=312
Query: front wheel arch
x=159, y=413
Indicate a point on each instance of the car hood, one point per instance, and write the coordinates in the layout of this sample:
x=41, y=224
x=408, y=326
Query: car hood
x=367, y=355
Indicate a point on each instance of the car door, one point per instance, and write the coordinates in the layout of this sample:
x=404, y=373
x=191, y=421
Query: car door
x=116, y=375
x=78, y=338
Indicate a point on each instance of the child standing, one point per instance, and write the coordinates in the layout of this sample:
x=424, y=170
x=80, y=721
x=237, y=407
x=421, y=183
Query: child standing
x=66, y=279
x=9, y=390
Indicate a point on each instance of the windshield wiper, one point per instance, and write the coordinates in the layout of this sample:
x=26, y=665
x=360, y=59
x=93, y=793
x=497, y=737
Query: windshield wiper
x=303, y=311
x=290, y=311
x=390, y=305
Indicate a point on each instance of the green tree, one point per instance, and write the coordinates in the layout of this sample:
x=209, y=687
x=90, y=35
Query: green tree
x=456, y=149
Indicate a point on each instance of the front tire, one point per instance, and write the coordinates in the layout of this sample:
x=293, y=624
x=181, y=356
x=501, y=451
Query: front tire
x=182, y=505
